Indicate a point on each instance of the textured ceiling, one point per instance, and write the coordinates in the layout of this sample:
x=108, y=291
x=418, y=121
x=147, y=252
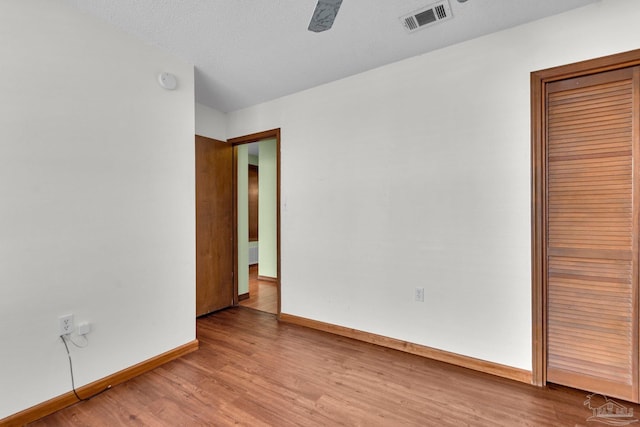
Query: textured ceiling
x=250, y=51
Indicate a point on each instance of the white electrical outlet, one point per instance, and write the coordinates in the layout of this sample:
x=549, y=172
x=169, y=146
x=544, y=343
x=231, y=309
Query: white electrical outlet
x=66, y=324
x=419, y=295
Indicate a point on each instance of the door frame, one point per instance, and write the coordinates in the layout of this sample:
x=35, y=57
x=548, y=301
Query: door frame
x=539, y=80
x=248, y=139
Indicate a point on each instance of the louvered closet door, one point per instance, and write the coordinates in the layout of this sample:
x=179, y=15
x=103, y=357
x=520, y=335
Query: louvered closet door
x=592, y=233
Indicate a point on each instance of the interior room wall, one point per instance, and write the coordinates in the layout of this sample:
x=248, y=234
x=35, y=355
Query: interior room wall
x=267, y=209
x=254, y=245
x=417, y=174
x=97, y=200
x=210, y=122
x=243, y=219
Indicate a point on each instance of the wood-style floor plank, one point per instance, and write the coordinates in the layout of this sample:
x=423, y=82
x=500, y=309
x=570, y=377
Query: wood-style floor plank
x=253, y=371
x=263, y=294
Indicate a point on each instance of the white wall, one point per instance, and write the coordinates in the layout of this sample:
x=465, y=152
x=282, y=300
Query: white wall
x=96, y=200
x=418, y=174
x=211, y=122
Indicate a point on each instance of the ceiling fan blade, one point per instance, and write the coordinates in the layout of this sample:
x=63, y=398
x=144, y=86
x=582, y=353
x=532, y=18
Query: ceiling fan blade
x=324, y=15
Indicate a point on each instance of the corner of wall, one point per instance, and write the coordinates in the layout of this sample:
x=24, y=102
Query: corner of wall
x=210, y=122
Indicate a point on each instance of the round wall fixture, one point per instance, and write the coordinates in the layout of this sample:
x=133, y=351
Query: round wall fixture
x=167, y=81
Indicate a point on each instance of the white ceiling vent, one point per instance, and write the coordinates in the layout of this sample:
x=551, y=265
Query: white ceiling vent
x=427, y=16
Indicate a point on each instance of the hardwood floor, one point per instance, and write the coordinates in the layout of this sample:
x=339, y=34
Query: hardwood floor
x=263, y=295
x=253, y=371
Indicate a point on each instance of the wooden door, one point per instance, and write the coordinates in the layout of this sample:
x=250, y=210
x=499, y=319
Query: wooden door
x=214, y=225
x=253, y=202
x=592, y=232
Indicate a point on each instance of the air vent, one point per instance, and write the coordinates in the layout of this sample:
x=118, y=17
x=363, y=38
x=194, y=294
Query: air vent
x=429, y=15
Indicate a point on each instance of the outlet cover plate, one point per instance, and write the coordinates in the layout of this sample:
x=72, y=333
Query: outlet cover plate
x=65, y=324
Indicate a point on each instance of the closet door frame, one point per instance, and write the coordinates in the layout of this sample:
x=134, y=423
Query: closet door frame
x=539, y=80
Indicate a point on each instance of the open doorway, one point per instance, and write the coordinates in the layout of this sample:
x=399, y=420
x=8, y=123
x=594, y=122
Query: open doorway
x=256, y=160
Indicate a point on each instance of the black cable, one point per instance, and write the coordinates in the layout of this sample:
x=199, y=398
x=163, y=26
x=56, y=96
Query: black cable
x=73, y=386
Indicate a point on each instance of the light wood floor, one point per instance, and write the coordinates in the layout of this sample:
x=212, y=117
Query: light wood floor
x=263, y=295
x=253, y=371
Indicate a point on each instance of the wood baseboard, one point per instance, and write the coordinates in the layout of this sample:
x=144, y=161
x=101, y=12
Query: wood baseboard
x=60, y=402
x=243, y=297
x=417, y=349
x=268, y=279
